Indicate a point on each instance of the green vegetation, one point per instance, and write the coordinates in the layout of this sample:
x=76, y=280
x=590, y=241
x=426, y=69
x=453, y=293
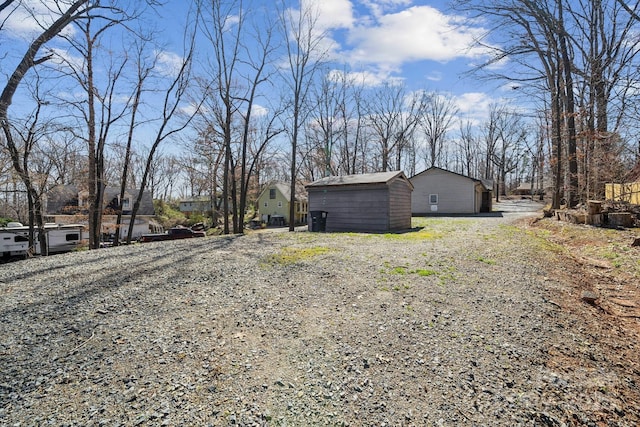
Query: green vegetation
x=444, y=273
x=425, y=272
x=399, y=270
x=168, y=215
x=290, y=255
x=422, y=234
x=4, y=221
x=486, y=260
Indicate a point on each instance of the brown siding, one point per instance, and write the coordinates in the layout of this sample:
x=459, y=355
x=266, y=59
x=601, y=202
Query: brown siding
x=361, y=208
x=399, y=204
x=372, y=208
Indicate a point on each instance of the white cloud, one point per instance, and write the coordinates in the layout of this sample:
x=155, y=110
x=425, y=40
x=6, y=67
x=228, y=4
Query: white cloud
x=332, y=14
x=364, y=78
x=27, y=20
x=169, y=63
x=476, y=106
x=63, y=59
x=189, y=109
x=414, y=34
x=259, y=111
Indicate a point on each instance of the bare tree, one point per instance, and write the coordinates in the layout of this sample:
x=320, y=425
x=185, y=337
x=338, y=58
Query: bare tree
x=242, y=52
x=169, y=123
x=469, y=149
x=585, y=55
x=19, y=157
x=393, y=115
x=329, y=122
x=605, y=67
x=304, y=55
x=504, y=135
x=36, y=168
x=531, y=41
x=99, y=115
x=254, y=143
x=438, y=117
x=143, y=70
x=222, y=24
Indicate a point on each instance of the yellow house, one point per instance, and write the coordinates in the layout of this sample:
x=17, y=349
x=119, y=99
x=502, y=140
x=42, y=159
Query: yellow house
x=628, y=192
x=273, y=205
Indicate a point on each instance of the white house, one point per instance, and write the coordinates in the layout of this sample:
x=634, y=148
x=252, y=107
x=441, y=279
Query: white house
x=439, y=191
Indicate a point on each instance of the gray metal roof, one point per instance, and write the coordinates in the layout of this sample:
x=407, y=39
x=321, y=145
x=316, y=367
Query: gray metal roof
x=365, y=178
x=486, y=183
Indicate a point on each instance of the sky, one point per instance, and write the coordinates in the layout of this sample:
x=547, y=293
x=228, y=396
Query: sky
x=422, y=43
x=419, y=42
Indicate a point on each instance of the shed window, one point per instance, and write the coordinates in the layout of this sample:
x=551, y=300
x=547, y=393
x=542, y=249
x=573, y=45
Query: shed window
x=272, y=193
x=433, y=199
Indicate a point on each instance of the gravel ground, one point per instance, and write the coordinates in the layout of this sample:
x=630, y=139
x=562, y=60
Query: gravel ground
x=448, y=325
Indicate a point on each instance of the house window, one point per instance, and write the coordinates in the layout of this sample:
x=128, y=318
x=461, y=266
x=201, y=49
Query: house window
x=279, y=204
x=433, y=199
x=272, y=193
x=125, y=204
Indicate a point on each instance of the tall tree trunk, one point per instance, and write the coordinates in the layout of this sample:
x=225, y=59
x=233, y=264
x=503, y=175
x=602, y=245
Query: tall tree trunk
x=573, y=197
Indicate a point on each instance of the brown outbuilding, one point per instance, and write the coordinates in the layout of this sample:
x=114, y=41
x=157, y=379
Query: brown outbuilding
x=372, y=202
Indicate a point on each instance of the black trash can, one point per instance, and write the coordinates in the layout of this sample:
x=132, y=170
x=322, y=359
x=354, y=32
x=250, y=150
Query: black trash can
x=318, y=220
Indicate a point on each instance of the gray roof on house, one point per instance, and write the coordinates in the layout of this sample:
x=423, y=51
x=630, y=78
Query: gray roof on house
x=365, y=178
x=486, y=183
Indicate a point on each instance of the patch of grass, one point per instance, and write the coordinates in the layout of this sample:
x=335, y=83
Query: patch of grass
x=290, y=255
x=424, y=272
x=398, y=270
x=442, y=271
x=446, y=277
x=610, y=255
x=486, y=260
x=422, y=234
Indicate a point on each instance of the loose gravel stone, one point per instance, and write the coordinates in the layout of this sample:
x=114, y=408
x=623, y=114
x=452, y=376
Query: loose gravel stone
x=446, y=326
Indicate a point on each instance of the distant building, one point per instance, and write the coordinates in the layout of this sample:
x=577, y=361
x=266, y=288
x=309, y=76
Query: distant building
x=274, y=202
x=198, y=205
x=66, y=204
x=370, y=202
x=439, y=191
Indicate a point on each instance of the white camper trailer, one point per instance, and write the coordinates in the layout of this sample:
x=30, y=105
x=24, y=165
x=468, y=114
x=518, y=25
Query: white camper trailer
x=14, y=239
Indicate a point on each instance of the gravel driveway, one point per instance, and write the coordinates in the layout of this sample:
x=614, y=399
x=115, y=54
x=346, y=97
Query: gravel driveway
x=450, y=324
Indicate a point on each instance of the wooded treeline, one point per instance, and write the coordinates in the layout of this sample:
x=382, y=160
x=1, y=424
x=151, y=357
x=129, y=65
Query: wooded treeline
x=256, y=93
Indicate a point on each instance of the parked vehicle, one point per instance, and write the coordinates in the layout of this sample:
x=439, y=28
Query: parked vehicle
x=174, y=233
x=14, y=239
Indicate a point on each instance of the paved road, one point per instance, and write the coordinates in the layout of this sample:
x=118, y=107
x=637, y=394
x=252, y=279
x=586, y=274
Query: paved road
x=518, y=206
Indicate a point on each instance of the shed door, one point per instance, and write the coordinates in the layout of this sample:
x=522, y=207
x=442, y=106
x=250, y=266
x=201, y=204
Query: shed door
x=486, y=202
